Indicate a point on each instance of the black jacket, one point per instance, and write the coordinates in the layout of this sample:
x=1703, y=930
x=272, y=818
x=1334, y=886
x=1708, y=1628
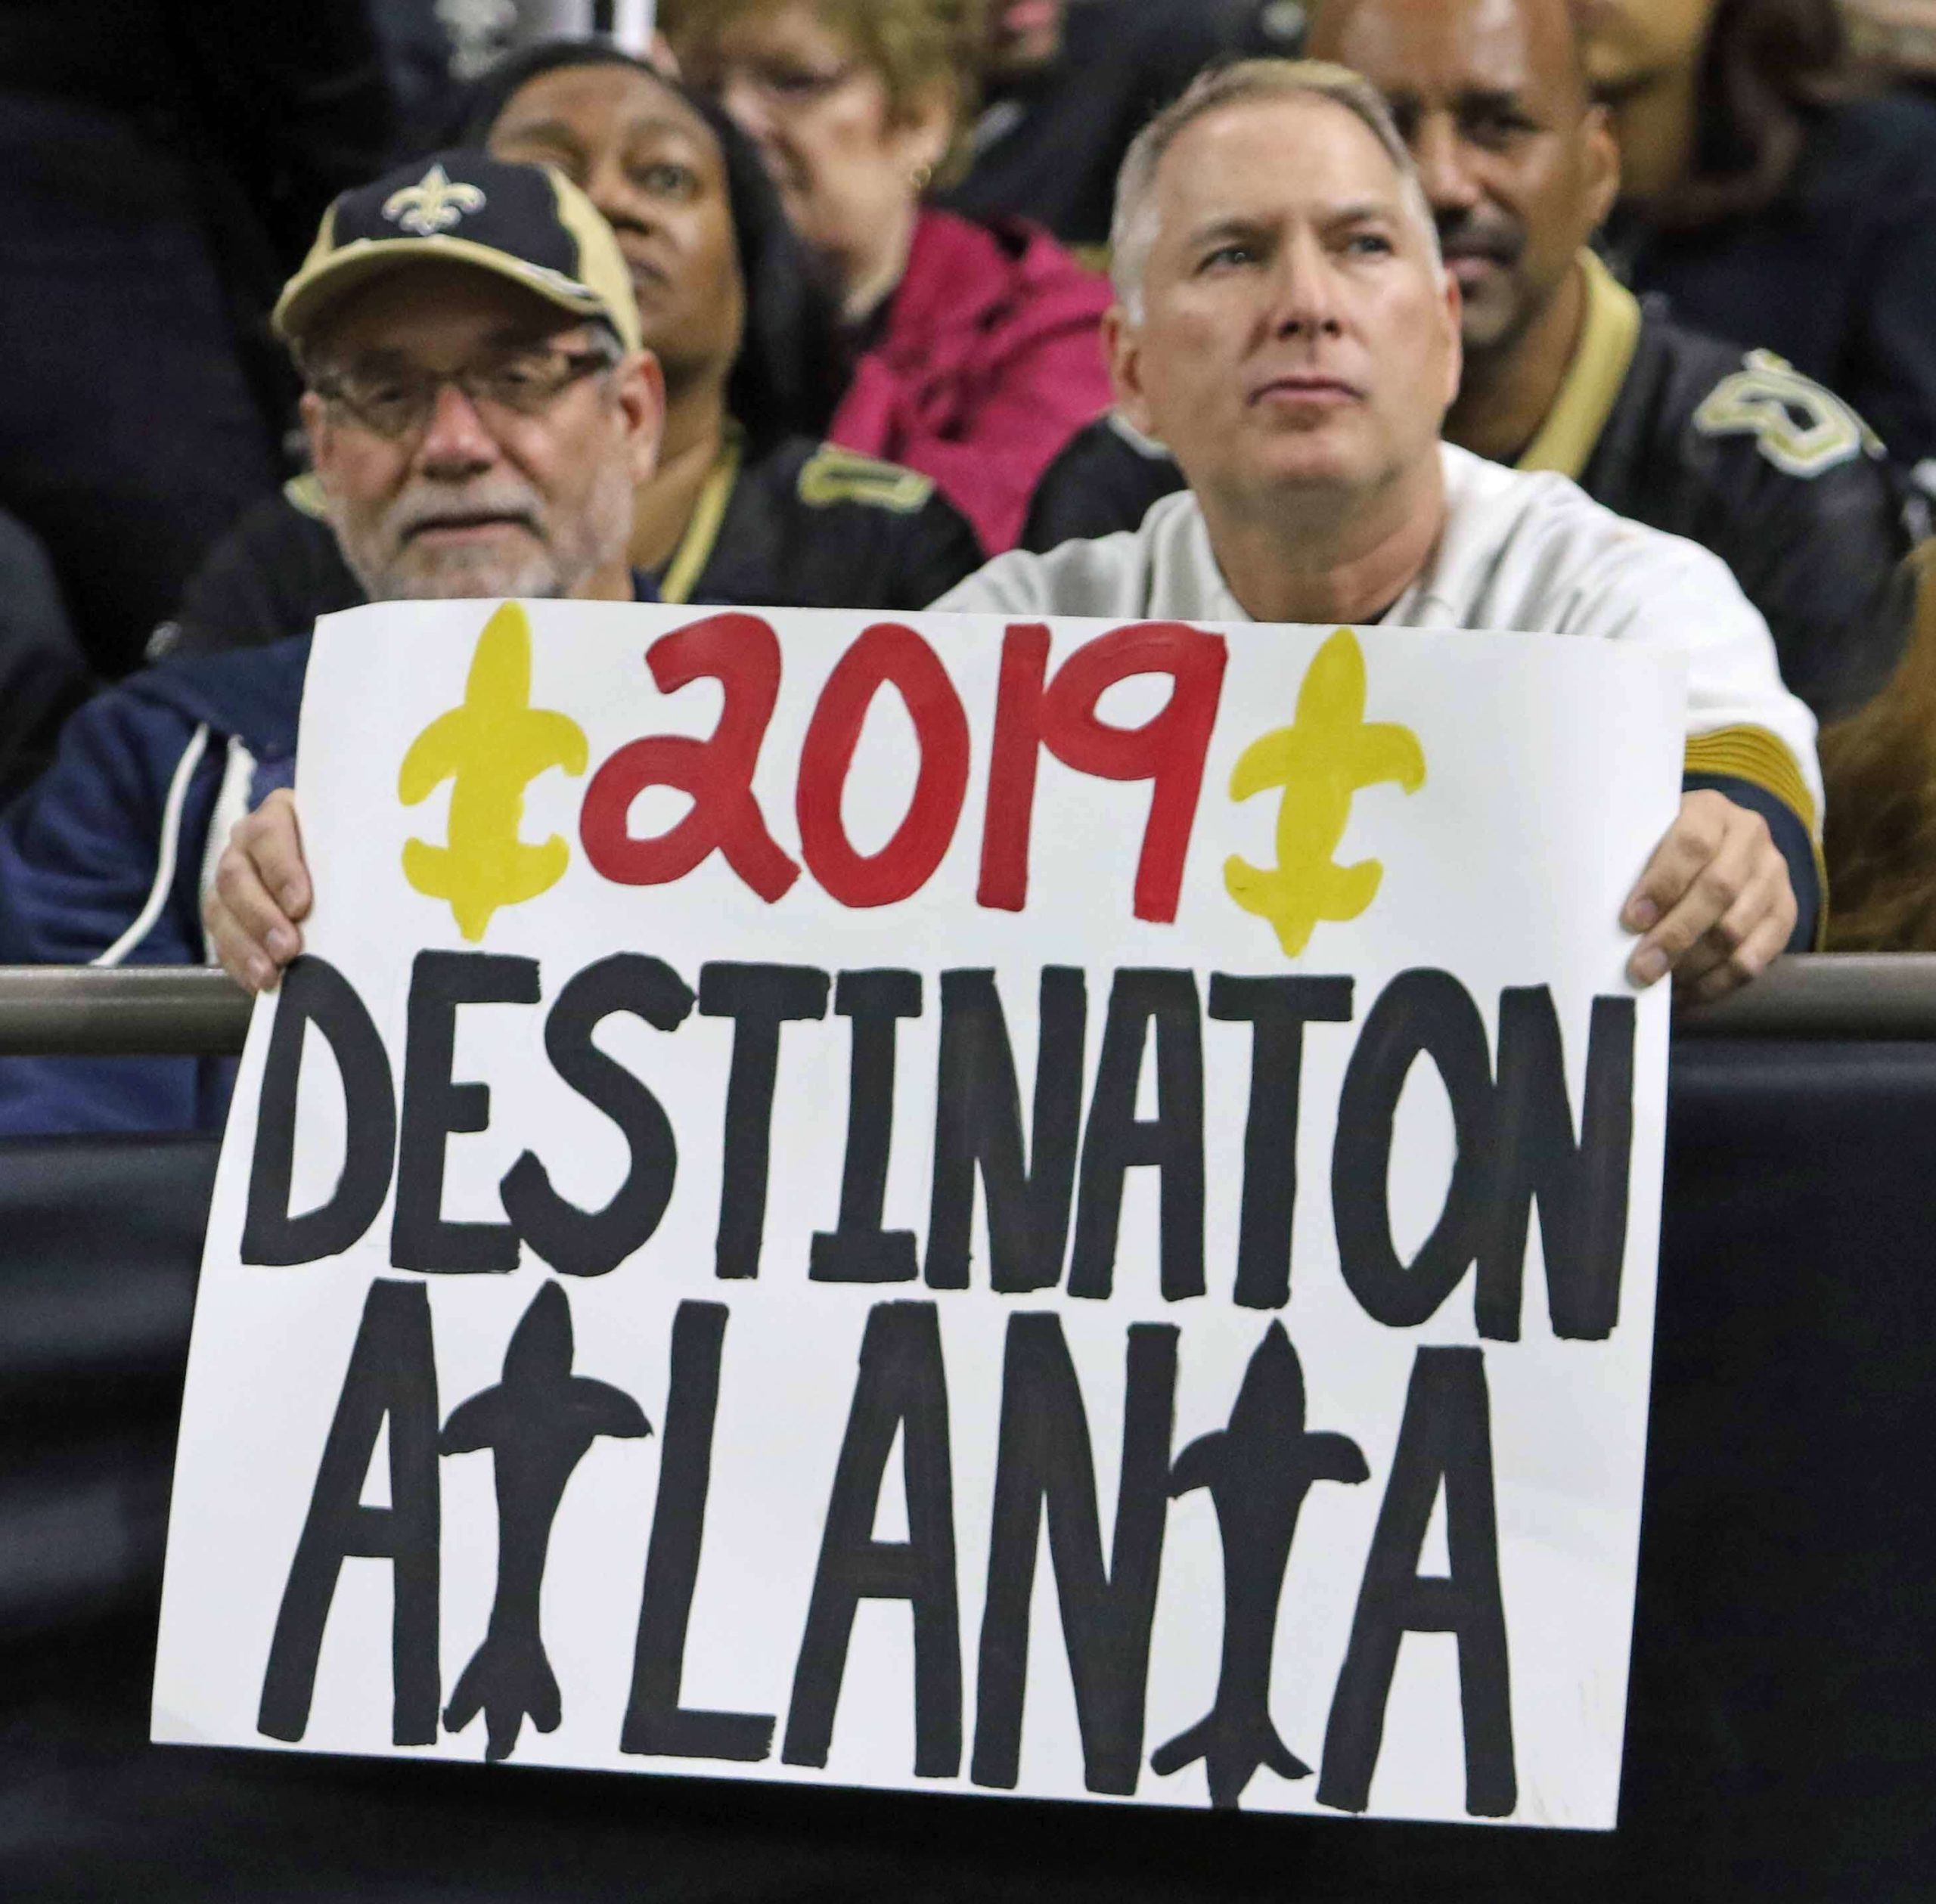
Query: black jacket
x=1838, y=273
x=806, y=525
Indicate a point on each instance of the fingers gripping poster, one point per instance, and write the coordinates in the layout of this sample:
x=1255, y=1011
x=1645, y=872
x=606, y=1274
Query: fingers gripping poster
x=1043, y=1208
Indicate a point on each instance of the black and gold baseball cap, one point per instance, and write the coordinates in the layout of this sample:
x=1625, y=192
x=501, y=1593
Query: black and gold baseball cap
x=527, y=223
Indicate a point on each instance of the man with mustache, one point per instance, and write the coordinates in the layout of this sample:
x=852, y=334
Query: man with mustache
x=745, y=505
x=479, y=411
x=1565, y=370
x=1285, y=324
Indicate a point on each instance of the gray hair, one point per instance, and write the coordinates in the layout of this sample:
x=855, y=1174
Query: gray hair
x=1133, y=230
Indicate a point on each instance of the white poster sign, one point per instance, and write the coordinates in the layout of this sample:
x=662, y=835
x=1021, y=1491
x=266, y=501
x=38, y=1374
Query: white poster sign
x=1046, y=1208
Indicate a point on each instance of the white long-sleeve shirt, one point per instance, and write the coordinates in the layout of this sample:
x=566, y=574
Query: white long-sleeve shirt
x=1532, y=553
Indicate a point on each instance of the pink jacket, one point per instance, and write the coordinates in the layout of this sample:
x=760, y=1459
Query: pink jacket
x=990, y=361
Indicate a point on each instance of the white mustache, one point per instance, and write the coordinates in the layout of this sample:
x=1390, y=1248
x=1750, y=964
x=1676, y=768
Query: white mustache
x=472, y=509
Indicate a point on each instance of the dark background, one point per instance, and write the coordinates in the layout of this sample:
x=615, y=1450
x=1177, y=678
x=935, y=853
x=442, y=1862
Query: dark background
x=1780, y=1745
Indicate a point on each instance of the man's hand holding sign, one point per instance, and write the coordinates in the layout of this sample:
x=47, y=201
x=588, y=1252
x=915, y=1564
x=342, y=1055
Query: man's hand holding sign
x=1223, y=1002
x=1287, y=327
x=574, y=1157
x=1714, y=908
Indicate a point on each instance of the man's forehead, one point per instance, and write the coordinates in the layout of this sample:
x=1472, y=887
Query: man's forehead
x=1433, y=49
x=1266, y=157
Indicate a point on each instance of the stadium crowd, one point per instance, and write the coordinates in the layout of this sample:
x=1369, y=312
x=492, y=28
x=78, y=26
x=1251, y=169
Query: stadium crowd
x=1614, y=318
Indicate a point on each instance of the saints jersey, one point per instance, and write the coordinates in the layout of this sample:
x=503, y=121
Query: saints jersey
x=805, y=525
x=1778, y=477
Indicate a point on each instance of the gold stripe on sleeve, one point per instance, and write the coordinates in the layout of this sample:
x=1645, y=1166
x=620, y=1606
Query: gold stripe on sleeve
x=1763, y=760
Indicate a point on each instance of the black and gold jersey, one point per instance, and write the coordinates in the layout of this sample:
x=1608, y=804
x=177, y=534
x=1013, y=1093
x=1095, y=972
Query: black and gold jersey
x=1775, y=475
x=804, y=525
x=810, y=525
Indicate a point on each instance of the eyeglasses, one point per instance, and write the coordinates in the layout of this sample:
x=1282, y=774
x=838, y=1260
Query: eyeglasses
x=397, y=400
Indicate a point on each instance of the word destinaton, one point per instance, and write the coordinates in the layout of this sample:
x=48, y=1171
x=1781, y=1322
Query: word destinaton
x=1053, y=1194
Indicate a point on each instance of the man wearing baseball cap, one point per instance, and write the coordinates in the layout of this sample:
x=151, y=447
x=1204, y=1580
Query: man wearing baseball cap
x=479, y=412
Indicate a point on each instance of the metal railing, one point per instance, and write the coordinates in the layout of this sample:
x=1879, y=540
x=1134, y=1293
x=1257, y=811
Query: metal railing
x=188, y=1012
x=134, y=1011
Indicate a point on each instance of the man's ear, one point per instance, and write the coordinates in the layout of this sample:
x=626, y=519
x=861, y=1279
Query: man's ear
x=1601, y=149
x=321, y=433
x=1122, y=346
x=640, y=386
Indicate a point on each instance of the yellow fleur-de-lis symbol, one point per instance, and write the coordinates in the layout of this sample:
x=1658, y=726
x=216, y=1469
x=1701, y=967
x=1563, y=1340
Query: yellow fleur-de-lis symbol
x=1322, y=760
x=490, y=748
x=433, y=204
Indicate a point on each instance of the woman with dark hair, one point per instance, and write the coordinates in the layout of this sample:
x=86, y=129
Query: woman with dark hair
x=1775, y=199
x=746, y=506
x=785, y=379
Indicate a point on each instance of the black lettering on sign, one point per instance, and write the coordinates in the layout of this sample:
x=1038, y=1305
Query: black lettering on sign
x=1044, y=1467
x=902, y=1390
x=1117, y=1142
x=435, y=1109
x=314, y=993
x=1277, y=1010
x=392, y=1376
x=759, y=999
x=656, y=1726
x=1420, y=1013
x=978, y=1126
x=1581, y=1186
x=1445, y=1441
x=859, y=1251
x=539, y=1422
x=1256, y=1472
x=584, y=1242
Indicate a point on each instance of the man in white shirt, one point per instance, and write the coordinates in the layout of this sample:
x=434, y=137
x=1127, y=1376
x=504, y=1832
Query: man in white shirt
x=1285, y=325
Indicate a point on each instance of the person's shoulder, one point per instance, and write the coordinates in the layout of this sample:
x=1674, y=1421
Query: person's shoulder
x=838, y=529
x=277, y=568
x=131, y=753
x=1485, y=500
x=295, y=517
x=972, y=268
x=1545, y=530
x=1044, y=265
x=1748, y=414
x=1105, y=574
x=824, y=477
x=253, y=695
x=1104, y=478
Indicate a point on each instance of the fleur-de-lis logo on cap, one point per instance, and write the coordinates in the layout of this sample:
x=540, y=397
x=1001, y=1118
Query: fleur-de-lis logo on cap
x=433, y=204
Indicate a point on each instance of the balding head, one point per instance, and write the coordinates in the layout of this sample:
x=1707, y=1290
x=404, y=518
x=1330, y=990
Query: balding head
x=1552, y=27
x=1286, y=327
x=1247, y=83
x=1518, y=164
